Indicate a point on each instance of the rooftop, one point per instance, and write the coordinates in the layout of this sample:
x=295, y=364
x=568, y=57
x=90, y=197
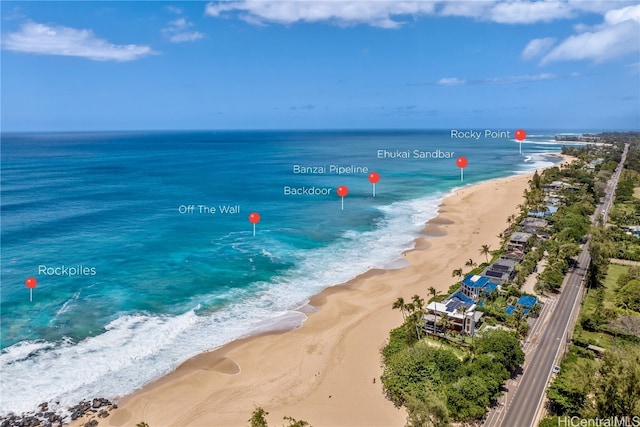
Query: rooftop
x=461, y=297
x=510, y=309
x=450, y=306
x=535, y=222
x=504, y=265
x=475, y=281
x=527, y=301
x=520, y=237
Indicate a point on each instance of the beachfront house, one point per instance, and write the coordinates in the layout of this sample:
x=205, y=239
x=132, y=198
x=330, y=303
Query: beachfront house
x=476, y=287
x=558, y=186
x=535, y=223
x=536, y=226
x=501, y=271
x=519, y=241
x=457, y=313
x=548, y=211
x=516, y=255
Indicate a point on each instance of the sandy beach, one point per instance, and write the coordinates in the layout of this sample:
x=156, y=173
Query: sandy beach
x=323, y=372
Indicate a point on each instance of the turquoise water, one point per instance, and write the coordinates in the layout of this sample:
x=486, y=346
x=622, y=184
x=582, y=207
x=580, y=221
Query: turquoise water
x=170, y=283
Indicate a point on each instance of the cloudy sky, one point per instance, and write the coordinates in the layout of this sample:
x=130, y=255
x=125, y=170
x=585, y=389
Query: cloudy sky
x=306, y=64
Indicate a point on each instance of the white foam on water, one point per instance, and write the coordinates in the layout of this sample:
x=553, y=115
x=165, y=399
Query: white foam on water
x=135, y=349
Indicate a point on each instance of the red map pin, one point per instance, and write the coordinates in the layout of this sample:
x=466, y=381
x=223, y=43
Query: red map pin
x=374, y=178
x=520, y=136
x=254, y=218
x=462, y=163
x=342, y=191
x=31, y=283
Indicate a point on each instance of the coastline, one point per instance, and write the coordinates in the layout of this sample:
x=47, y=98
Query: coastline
x=323, y=371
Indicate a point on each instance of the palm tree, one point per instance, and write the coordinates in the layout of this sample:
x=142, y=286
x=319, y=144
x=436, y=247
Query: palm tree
x=418, y=304
x=457, y=273
x=400, y=305
x=410, y=307
x=485, y=250
x=433, y=293
x=470, y=263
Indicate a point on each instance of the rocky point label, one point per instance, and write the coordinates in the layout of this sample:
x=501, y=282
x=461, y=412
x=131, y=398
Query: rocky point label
x=478, y=134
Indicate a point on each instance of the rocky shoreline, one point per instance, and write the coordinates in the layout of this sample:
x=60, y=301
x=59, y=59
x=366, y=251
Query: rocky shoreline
x=46, y=417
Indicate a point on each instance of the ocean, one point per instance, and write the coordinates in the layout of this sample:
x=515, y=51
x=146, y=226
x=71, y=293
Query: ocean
x=144, y=255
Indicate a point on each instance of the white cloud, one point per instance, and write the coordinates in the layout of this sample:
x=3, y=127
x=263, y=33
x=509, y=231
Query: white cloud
x=65, y=41
x=451, y=81
x=519, y=12
x=382, y=13
x=615, y=37
x=173, y=9
x=455, y=81
x=537, y=47
x=617, y=16
x=519, y=79
x=177, y=31
x=467, y=9
x=389, y=13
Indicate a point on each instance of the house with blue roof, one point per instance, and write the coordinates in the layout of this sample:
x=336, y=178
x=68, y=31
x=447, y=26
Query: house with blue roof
x=526, y=302
x=548, y=211
x=476, y=286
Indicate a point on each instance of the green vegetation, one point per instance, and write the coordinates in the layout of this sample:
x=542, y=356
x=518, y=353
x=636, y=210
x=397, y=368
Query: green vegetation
x=259, y=419
x=604, y=381
x=436, y=386
x=591, y=388
x=412, y=313
x=591, y=384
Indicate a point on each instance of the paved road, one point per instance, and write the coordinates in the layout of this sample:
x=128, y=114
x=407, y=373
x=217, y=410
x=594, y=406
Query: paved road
x=523, y=408
x=624, y=262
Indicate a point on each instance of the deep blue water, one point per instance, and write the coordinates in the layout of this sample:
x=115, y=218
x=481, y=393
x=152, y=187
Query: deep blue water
x=168, y=285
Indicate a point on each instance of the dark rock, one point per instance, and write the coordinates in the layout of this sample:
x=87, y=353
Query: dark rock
x=91, y=423
x=103, y=414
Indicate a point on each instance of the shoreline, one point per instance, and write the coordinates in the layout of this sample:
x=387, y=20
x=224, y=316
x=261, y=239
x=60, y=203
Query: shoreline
x=305, y=364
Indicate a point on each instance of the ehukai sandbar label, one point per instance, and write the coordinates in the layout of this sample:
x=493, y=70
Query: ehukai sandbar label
x=413, y=154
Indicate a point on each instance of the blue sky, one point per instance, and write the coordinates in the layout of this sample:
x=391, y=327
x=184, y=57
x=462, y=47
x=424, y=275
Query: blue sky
x=273, y=64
